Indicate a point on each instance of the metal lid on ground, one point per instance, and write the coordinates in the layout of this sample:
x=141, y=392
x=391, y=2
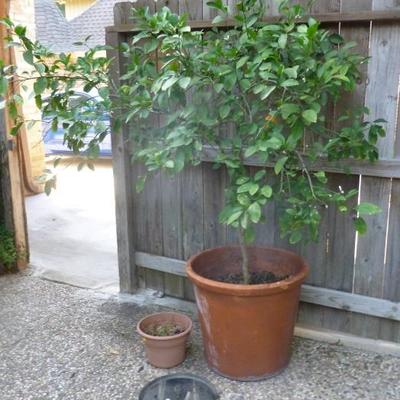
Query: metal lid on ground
x=179, y=387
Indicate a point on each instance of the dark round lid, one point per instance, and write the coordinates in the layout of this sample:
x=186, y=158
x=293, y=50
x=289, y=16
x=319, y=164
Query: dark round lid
x=179, y=387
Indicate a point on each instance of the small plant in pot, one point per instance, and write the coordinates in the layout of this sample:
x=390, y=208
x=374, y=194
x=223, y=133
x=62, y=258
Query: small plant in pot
x=252, y=91
x=165, y=338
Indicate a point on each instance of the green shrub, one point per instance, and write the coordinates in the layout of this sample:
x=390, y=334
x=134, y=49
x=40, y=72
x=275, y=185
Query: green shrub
x=8, y=251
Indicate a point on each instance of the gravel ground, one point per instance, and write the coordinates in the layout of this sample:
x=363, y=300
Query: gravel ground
x=61, y=342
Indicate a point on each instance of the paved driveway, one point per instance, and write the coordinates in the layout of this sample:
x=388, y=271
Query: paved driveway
x=72, y=232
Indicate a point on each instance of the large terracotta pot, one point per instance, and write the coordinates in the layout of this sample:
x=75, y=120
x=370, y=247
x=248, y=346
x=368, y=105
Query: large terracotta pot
x=247, y=329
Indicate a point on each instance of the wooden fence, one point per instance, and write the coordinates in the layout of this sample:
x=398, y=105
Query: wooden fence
x=354, y=285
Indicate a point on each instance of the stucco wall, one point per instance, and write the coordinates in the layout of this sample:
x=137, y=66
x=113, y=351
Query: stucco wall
x=22, y=12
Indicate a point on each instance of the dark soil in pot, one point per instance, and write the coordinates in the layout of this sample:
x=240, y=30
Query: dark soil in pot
x=256, y=278
x=164, y=329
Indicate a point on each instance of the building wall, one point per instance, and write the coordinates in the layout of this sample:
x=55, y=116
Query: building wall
x=22, y=12
x=74, y=8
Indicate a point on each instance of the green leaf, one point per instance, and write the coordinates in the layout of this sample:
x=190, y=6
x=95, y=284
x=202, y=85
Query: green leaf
x=287, y=109
x=140, y=184
x=254, y=212
x=150, y=45
x=3, y=85
x=242, y=180
x=249, y=187
x=249, y=235
x=243, y=199
x=169, y=82
x=267, y=91
x=368, y=209
x=218, y=4
x=40, y=85
x=310, y=116
x=280, y=164
x=295, y=237
x=254, y=189
x=321, y=176
x=224, y=111
x=169, y=164
x=218, y=87
x=266, y=191
x=259, y=175
x=28, y=57
x=234, y=217
x=250, y=151
x=184, y=82
x=360, y=225
x=291, y=72
x=218, y=19
x=289, y=83
x=296, y=133
x=241, y=62
x=282, y=41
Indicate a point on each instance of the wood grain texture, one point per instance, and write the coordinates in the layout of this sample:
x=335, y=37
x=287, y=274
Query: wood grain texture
x=214, y=182
x=387, y=329
x=355, y=5
x=369, y=263
x=171, y=193
x=382, y=168
x=327, y=19
x=310, y=294
x=182, y=219
x=391, y=283
x=383, y=81
x=124, y=204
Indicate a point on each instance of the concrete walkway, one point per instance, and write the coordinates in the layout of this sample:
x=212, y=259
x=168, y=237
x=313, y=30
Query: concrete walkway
x=72, y=232
x=62, y=342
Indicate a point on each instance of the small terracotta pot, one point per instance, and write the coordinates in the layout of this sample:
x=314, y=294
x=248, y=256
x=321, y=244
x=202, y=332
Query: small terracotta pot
x=247, y=329
x=165, y=351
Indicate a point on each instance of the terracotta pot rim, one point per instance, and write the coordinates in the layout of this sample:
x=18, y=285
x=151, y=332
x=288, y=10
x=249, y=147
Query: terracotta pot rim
x=264, y=289
x=164, y=338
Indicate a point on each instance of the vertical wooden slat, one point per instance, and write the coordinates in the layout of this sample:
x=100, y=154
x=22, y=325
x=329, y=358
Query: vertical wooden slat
x=390, y=330
x=316, y=253
x=214, y=182
x=171, y=194
x=385, y=4
x=382, y=99
x=192, y=189
x=339, y=263
x=369, y=265
x=151, y=234
x=124, y=204
x=355, y=5
x=194, y=9
x=172, y=229
x=383, y=81
x=148, y=232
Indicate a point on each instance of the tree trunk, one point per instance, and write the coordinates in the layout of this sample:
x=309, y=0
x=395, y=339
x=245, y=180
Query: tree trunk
x=245, y=258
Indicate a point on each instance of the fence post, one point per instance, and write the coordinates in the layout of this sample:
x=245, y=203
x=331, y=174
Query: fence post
x=128, y=275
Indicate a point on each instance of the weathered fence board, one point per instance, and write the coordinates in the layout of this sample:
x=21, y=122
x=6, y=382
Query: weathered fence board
x=354, y=283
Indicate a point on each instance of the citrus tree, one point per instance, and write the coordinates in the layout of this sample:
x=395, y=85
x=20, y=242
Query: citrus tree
x=255, y=90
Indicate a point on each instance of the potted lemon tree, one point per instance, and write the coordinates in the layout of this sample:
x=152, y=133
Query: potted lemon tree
x=252, y=91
